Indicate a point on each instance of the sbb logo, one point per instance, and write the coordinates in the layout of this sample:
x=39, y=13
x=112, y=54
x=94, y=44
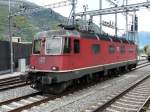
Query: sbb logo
x=42, y=60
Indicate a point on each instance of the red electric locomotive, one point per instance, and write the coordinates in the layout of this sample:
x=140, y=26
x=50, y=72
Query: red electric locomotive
x=60, y=57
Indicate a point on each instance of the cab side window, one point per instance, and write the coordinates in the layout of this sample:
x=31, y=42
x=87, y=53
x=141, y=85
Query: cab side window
x=95, y=48
x=67, y=45
x=37, y=47
x=76, y=46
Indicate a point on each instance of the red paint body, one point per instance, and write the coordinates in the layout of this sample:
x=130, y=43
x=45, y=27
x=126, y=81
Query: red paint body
x=54, y=66
x=86, y=58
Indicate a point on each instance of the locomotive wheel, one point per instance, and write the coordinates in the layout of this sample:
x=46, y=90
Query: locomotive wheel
x=89, y=78
x=57, y=88
x=129, y=67
x=116, y=72
x=134, y=66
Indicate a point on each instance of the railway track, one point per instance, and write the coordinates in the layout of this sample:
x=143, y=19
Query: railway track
x=146, y=106
x=140, y=62
x=23, y=102
x=129, y=99
x=10, y=83
x=141, y=65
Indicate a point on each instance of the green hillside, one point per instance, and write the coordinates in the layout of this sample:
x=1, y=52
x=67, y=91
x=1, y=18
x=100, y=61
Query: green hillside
x=3, y=21
x=26, y=26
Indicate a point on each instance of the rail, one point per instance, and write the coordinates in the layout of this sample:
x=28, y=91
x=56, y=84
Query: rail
x=117, y=97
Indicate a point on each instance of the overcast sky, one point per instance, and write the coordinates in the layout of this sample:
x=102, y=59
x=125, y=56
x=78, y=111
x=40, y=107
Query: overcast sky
x=143, y=14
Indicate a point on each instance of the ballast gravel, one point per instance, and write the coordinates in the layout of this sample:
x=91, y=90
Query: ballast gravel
x=16, y=92
x=81, y=100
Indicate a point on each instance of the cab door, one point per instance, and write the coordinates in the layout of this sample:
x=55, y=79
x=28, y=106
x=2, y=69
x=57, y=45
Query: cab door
x=76, y=57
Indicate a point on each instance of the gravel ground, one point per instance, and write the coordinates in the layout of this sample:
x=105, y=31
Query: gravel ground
x=16, y=92
x=81, y=100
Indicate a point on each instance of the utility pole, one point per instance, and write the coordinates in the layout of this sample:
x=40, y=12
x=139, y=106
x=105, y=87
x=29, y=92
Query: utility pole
x=116, y=23
x=85, y=7
x=100, y=17
x=127, y=37
x=10, y=38
x=135, y=27
x=116, y=17
x=73, y=12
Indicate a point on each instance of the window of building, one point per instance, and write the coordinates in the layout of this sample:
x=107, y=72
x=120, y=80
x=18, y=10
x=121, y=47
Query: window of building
x=76, y=46
x=111, y=49
x=95, y=48
x=67, y=45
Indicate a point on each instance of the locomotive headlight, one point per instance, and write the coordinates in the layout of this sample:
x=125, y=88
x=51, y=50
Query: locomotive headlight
x=54, y=68
x=32, y=67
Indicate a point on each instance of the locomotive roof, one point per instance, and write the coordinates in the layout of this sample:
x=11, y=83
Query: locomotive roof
x=81, y=34
x=52, y=33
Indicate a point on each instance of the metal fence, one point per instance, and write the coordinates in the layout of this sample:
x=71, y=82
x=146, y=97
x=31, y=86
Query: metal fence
x=20, y=50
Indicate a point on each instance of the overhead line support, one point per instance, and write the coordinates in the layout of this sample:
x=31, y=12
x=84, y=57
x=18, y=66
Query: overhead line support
x=113, y=10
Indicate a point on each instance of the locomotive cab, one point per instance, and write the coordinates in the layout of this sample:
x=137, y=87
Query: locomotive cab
x=48, y=51
x=50, y=57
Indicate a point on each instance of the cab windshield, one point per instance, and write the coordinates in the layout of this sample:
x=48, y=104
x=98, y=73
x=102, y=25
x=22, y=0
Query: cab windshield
x=54, y=46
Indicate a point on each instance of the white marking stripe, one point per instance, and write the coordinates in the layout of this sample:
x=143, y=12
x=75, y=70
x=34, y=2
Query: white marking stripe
x=72, y=70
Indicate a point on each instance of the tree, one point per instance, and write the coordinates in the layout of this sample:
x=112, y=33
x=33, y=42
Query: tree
x=145, y=48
